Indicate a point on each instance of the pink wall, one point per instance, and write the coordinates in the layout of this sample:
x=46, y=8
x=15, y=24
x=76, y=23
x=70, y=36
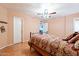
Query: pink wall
x=3, y=36
x=62, y=26
x=30, y=24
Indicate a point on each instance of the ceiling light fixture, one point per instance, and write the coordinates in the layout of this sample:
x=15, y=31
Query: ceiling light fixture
x=46, y=11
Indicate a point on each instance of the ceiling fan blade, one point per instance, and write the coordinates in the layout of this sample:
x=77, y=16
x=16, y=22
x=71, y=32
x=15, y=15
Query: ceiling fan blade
x=39, y=13
x=53, y=13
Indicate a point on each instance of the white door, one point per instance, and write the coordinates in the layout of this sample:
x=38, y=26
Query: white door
x=17, y=29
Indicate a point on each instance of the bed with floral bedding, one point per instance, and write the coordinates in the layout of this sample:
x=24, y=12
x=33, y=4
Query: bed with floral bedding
x=53, y=45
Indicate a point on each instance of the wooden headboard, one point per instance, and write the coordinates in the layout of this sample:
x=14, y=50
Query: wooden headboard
x=32, y=34
x=36, y=33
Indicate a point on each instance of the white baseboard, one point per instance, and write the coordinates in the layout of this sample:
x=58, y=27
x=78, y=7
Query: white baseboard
x=10, y=45
x=26, y=41
x=5, y=46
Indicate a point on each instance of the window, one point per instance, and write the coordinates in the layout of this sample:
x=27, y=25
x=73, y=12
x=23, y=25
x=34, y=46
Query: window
x=43, y=27
x=76, y=25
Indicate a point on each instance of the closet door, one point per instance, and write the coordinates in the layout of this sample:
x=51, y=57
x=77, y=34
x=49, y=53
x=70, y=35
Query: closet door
x=17, y=29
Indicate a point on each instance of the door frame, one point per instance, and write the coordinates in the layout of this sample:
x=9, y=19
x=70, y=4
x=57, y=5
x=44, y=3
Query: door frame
x=21, y=30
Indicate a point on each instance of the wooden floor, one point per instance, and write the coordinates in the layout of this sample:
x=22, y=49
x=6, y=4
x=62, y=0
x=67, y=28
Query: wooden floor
x=20, y=49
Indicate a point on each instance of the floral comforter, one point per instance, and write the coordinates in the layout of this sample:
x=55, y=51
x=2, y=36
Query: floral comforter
x=53, y=45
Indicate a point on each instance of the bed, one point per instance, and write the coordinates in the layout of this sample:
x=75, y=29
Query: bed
x=49, y=45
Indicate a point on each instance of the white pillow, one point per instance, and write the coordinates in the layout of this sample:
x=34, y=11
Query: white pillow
x=76, y=45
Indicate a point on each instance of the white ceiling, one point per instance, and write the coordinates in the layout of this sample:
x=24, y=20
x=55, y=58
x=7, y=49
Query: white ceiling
x=61, y=9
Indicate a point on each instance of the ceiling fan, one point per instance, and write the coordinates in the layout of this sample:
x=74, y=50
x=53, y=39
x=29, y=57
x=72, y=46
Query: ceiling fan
x=53, y=13
x=46, y=14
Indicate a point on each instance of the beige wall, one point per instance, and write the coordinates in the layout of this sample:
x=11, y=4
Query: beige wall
x=62, y=26
x=30, y=24
x=56, y=26
x=69, y=23
x=3, y=36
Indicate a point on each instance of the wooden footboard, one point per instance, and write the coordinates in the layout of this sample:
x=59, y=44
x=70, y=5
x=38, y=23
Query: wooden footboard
x=39, y=50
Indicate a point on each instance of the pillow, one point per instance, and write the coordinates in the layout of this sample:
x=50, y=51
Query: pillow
x=71, y=36
x=68, y=38
x=74, y=39
x=76, y=45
